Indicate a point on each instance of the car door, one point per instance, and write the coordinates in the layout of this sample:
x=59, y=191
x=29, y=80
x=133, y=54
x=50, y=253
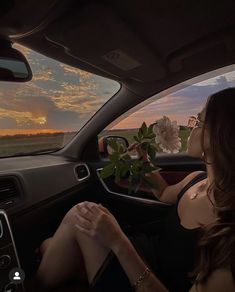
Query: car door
x=142, y=207
x=179, y=104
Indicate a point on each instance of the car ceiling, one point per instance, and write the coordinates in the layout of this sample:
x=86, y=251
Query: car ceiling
x=146, y=45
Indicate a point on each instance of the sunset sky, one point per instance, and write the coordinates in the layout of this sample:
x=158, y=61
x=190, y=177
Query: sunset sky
x=58, y=98
x=179, y=105
x=62, y=98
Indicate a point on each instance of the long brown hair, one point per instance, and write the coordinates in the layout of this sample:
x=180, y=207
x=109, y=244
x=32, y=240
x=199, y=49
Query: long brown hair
x=217, y=244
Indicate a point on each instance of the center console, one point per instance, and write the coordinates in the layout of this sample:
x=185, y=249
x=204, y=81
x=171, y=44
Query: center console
x=10, y=272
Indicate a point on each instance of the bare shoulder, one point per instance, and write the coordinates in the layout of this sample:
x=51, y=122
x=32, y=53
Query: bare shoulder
x=219, y=280
x=171, y=192
x=189, y=177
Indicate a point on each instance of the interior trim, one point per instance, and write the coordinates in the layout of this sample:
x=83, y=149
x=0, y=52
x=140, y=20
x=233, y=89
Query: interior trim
x=88, y=171
x=11, y=234
x=136, y=199
x=1, y=229
x=55, y=9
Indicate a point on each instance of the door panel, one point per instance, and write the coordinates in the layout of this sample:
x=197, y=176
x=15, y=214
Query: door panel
x=129, y=209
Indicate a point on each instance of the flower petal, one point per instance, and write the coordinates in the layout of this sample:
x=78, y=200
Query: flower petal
x=167, y=135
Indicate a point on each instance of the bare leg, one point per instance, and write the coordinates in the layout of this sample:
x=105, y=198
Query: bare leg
x=45, y=245
x=70, y=254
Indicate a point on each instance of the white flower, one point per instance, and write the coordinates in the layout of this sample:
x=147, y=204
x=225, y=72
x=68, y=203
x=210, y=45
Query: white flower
x=167, y=135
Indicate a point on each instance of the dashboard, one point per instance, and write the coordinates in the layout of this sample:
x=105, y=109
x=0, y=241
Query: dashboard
x=26, y=181
x=35, y=193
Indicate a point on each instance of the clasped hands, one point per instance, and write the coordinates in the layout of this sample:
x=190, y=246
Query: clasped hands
x=97, y=222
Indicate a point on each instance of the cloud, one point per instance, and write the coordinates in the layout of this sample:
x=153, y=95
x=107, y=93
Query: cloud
x=204, y=89
x=36, y=105
x=25, y=51
x=7, y=123
x=65, y=120
x=58, y=97
x=67, y=97
x=178, y=105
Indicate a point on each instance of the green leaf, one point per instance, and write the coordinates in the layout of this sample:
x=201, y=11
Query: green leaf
x=144, y=145
x=121, y=149
x=114, y=157
x=107, y=171
x=126, y=157
x=136, y=139
x=117, y=174
x=151, y=152
x=144, y=129
x=140, y=134
x=113, y=144
x=123, y=166
x=136, y=167
x=147, y=168
x=150, y=129
x=150, y=136
x=124, y=169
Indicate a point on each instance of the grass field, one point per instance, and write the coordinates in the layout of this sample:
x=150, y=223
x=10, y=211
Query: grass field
x=19, y=144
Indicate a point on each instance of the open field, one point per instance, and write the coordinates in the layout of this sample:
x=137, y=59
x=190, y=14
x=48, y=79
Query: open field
x=11, y=145
x=19, y=144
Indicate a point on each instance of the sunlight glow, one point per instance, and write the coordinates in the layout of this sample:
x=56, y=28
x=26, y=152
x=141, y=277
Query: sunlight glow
x=41, y=120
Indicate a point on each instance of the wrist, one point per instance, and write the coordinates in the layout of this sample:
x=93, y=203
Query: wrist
x=121, y=243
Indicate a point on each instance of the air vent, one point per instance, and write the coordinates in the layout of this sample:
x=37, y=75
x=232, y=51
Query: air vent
x=82, y=172
x=9, y=189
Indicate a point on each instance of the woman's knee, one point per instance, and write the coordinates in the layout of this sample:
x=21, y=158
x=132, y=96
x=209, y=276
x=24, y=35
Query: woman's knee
x=67, y=220
x=44, y=245
x=69, y=217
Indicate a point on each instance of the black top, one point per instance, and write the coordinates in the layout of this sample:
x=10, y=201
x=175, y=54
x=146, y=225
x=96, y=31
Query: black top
x=171, y=255
x=177, y=251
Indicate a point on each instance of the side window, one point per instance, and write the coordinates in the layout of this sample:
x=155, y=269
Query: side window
x=181, y=106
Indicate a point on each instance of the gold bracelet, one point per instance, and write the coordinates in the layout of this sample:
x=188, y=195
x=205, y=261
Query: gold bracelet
x=143, y=276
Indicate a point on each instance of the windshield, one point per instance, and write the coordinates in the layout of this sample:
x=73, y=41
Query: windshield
x=45, y=113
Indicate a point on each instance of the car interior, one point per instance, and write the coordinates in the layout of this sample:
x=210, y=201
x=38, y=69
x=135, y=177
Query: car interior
x=147, y=47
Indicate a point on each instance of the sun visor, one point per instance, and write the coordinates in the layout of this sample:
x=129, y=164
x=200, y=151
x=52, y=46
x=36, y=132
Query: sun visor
x=96, y=36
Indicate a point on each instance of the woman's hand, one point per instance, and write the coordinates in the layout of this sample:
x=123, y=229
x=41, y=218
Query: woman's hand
x=140, y=152
x=97, y=222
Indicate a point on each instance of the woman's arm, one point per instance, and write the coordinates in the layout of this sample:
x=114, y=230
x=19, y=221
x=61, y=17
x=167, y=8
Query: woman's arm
x=165, y=193
x=98, y=223
x=134, y=266
x=158, y=180
x=170, y=193
x=220, y=280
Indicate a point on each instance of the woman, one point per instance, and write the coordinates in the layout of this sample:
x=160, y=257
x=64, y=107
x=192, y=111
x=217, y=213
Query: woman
x=89, y=242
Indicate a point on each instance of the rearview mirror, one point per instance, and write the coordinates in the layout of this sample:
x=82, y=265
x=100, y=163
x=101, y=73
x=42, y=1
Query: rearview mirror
x=13, y=64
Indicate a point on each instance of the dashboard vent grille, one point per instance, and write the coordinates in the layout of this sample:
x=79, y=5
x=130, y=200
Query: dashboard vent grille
x=9, y=188
x=82, y=172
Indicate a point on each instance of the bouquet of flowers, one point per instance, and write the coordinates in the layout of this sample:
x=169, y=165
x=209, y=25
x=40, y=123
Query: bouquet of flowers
x=163, y=133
